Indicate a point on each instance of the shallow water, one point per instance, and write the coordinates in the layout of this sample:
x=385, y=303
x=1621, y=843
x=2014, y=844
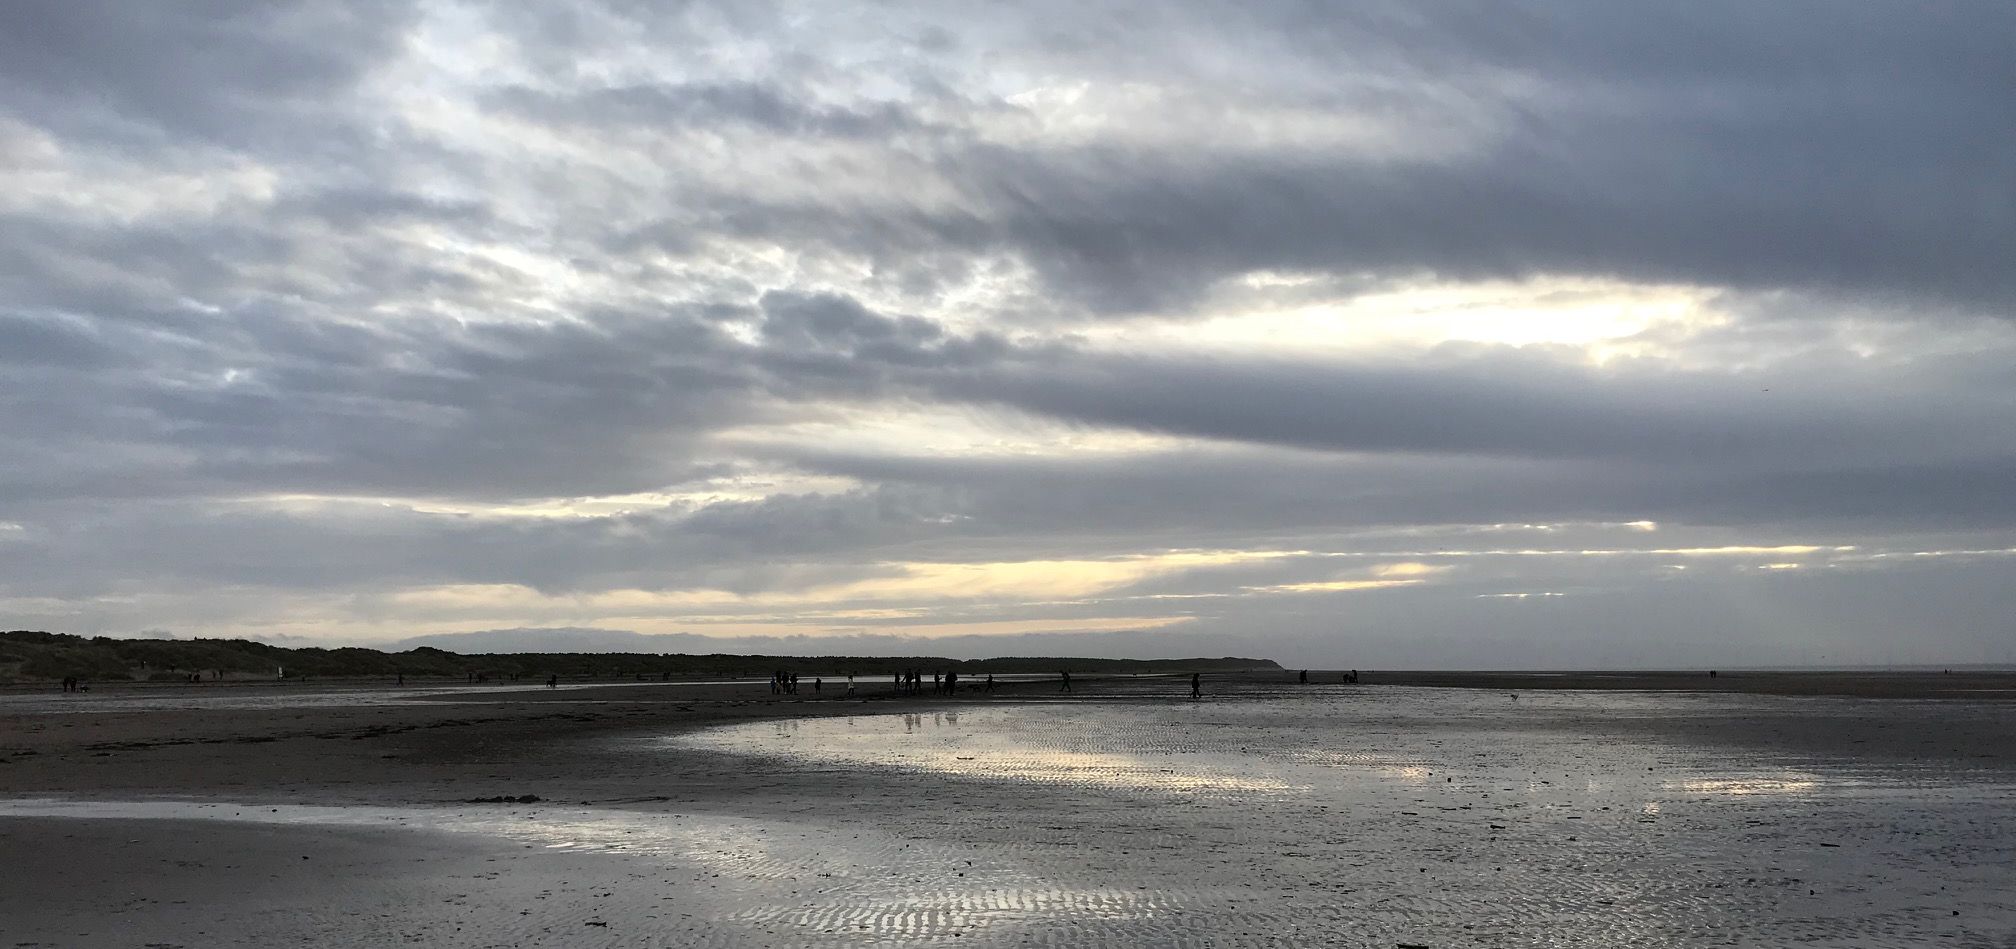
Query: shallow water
x=1382, y=816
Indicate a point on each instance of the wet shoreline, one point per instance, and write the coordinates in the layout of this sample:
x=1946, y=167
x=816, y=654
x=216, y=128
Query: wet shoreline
x=1270, y=813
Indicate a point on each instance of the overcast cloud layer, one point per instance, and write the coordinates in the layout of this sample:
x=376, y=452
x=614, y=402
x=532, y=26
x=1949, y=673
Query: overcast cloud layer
x=1423, y=334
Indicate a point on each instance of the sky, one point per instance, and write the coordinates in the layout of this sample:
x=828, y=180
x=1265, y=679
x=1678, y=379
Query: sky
x=1435, y=333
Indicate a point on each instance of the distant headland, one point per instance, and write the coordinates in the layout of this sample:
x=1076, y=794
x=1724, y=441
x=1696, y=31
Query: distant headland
x=27, y=655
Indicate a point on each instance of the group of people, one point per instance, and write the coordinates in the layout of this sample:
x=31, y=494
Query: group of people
x=786, y=683
x=1349, y=678
x=72, y=684
x=911, y=682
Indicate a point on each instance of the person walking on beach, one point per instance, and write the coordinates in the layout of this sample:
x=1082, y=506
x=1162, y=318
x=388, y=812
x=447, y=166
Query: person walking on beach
x=850, y=685
x=553, y=681
x=1196, y=685
x=990, y=681
x=1305, y=677
x=818, y=685
x=1065, y=678
x=951, y=683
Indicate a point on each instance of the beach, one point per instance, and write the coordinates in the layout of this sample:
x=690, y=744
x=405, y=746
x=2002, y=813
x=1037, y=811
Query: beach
x=1122, y=814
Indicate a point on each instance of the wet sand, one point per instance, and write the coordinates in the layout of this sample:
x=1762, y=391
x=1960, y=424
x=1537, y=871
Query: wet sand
x=1270, y=814
x=169, y=882
x=1962, y=684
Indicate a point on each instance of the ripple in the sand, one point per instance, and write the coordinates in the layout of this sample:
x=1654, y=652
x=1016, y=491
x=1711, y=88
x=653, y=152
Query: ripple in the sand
x=1364, y=818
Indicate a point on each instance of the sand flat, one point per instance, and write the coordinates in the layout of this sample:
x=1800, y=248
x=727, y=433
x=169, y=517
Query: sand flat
x=1266, y=815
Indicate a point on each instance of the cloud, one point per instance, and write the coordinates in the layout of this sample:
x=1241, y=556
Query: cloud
x=1789, y=149
x=215, y=70
x=1077, y=320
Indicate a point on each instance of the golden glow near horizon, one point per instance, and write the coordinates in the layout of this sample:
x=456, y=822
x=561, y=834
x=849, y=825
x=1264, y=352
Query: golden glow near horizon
x=927, y=600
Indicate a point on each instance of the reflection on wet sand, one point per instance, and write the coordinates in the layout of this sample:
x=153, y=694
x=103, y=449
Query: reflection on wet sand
x=1326, y=818
x=979, y=749
x=1355, y=817
x=1785, y=784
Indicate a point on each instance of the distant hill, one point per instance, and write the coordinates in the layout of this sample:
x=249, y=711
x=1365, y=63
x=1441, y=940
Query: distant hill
x=30, y=655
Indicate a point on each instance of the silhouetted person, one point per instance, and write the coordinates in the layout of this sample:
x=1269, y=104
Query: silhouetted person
x=553, y=681
x=951, y=683
x=990, y=681
x=1305, y=677
x=1196, y=685
x=1065, y=680
x=818, y=685
x=850, y=685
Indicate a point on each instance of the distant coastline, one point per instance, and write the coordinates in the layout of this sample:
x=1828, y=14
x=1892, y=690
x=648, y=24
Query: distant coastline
x=34, y=656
